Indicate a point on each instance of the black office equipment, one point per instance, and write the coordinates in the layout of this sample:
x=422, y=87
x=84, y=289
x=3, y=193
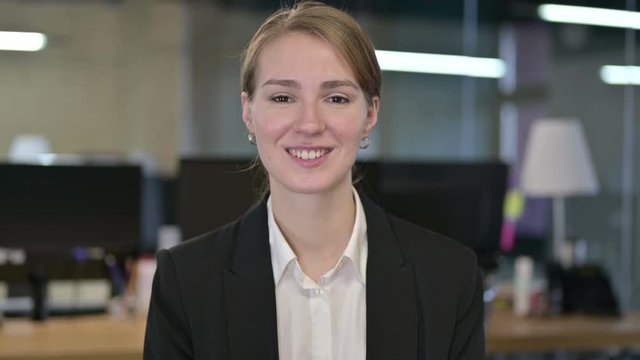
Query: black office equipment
x=586, y=289
x=213, y=192
x=49, y=210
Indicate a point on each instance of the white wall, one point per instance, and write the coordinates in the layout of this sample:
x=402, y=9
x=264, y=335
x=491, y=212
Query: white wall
x=109, y=82
x=67, y=92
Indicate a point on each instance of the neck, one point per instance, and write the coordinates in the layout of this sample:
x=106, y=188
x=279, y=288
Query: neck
x=316, y=226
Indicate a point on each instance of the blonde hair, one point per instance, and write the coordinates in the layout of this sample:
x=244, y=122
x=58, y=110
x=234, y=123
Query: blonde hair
x=334, y=26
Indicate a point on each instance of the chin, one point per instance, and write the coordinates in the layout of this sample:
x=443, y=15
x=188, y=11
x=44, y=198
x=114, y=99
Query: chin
x=310, y=186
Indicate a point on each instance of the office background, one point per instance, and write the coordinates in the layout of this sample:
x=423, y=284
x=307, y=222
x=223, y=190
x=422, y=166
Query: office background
x=157, y=80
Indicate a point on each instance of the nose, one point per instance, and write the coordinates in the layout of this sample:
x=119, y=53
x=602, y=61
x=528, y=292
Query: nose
x=310, y=121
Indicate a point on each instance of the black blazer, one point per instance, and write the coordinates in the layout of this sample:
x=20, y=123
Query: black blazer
x=214, y=296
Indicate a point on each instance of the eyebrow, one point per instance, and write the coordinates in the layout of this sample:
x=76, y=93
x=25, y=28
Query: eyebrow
x=286, y=83
x=337, y=83
x=331, y=84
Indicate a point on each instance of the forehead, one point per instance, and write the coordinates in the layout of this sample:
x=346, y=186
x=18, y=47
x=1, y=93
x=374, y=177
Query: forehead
x=297, y=54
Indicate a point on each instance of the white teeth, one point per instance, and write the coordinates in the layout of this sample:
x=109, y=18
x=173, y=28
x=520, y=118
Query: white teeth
x=307, y=154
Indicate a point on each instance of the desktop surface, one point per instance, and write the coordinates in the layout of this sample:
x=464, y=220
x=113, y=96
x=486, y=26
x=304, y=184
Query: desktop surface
x=107, y=337
x=507, y=333
x=97, y=337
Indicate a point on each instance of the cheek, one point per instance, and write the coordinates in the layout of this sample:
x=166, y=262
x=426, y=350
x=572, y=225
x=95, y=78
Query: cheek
x=270, y=124
x=351, y=128
x=269, y=134
x=351, y=134
x=269, y=128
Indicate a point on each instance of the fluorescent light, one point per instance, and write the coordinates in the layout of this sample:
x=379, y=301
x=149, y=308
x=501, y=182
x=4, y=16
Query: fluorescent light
x=22, y=41
x=440, y=64
x=589, y=16
x=620, y=75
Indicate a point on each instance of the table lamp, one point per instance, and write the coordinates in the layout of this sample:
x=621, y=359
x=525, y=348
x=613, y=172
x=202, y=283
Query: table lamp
x=558, y=164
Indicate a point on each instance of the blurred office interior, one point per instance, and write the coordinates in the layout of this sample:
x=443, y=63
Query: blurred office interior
x=155, y=84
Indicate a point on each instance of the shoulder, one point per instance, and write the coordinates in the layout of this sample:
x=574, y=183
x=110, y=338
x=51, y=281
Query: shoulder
x=214, y=248
x=442, y=266
x=421, y=242
x=433, y=253
x=221, y=248
x=191, y=273
x=417, y=244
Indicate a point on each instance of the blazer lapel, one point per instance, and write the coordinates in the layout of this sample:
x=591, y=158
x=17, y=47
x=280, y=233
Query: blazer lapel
x=392, y=310
x=250, y=291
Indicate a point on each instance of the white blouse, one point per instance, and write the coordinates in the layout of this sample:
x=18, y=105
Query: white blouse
x=324, y=320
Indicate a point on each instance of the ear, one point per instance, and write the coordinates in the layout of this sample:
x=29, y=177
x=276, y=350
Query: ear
x=372, y=115
x=246, y=111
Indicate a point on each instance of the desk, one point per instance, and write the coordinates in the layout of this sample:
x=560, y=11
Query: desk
x=72, y=338
x=507, y=333
x=103, y=337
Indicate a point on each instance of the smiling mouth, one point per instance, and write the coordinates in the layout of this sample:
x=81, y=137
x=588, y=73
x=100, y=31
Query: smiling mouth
x=308, y=154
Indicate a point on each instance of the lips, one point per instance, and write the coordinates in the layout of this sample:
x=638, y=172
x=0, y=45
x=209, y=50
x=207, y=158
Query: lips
x=308, y=154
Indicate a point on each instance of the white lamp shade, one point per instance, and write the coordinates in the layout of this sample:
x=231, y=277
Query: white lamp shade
x=557, y=160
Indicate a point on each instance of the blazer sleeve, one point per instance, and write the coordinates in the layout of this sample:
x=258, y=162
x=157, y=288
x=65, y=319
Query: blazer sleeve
x=168, y=332
x=468, y=339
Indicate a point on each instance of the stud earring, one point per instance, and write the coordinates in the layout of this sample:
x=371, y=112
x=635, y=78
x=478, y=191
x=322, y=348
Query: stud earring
x=365, y=142
x=252, y=138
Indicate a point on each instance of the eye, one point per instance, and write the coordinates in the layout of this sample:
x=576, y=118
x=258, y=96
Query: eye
x=281, y=98
x=338, y=99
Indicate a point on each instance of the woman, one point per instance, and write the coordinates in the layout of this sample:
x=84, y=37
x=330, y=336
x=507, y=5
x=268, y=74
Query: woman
x=316, y=270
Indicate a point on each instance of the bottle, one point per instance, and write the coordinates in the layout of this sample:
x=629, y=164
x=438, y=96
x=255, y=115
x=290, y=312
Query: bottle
x=522, y=285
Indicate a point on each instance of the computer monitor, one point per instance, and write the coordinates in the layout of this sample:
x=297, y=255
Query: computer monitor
x=213, y=192
x=463, y=201
x=49, y=210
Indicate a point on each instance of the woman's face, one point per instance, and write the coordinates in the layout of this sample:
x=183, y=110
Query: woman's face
x=308, y=114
